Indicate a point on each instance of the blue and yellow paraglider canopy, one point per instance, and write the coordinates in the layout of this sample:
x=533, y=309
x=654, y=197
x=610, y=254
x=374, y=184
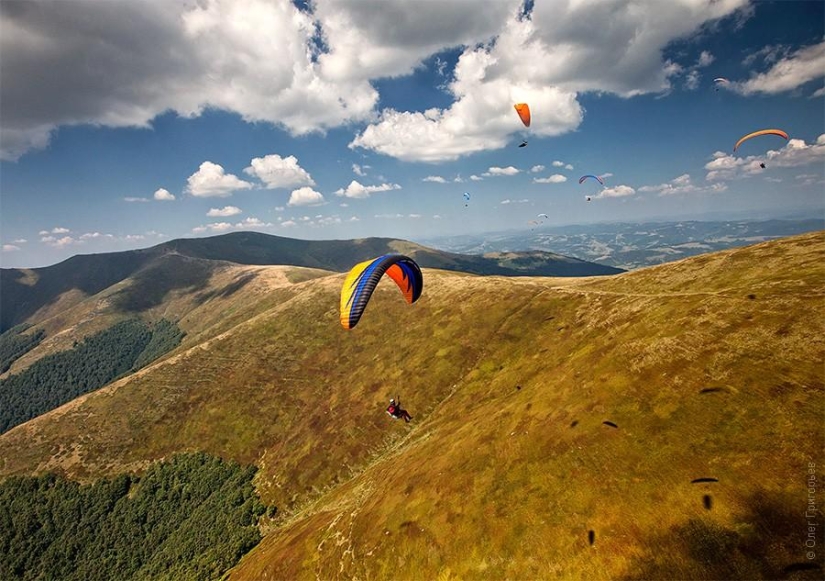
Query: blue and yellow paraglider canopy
x=364, y=277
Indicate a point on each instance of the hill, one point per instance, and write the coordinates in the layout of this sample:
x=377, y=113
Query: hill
x=558, y=425
x=32, y=295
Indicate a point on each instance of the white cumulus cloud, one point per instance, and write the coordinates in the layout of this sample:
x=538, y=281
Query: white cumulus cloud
x=279, y=172
x=788, y=73
x=616, y=192
x=10, y=248
x=163, y=195
x=223, y=212
x=501, y=171
x=212, y=181
x=356, y=190
x=305, y=196
x=683, y=185
x=553, y=179
x=435, y=179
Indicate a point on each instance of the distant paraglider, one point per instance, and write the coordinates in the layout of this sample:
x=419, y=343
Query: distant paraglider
x=364, y=277
x=778, y=132
x=720, y=81
x=523, y=110
x=466, y=199
x=597, y=178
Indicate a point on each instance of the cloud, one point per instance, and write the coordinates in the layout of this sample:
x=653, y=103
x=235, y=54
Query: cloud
x=508, y=201
x=558, y=163
x=568, y=166
x=252, y=222
x=705, y=59
x=537, y=168
x=788, y=73
x=818, y=93
x=553, y=179
x=212, y=181
x=305, y=196
x=163, y=195
x=279, y=172
x=683, y=185
x=501, y=171
x=476, y=178
x=436, y=179
x=288, y=223
x=10, y=248
x=223, y=212
x=616, y=192
x=396, y=216
x=546, y=60
x=359, y=170
x=95, y=235
x=19, y=241
x=356, y=190
x=58, y=242
x=796, y=153
x=133, y=200
x=310, y=68
x=60, y=230
x=122, y=64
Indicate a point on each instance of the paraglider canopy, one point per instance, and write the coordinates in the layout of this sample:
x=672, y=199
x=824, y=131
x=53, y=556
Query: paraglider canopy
x=466, y=198
x=778, y=132
x=597, y=178
x=361, y=281
x=523, y=111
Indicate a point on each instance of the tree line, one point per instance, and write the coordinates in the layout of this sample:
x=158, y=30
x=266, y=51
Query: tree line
x=96, y=361
x=191, y=517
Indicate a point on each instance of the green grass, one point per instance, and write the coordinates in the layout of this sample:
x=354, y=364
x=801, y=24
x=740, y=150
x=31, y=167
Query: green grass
x=491, y=481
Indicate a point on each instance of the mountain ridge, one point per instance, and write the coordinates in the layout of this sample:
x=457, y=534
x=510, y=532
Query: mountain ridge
x=24, y=292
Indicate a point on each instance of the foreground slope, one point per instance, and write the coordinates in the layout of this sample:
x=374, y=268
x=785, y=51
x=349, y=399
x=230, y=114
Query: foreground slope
x=708, y=368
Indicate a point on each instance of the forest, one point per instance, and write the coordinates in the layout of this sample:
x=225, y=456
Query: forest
x=190, y=517
x=92, y=363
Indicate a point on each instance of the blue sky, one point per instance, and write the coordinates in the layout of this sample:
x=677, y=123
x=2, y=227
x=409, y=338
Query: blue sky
x=125, y=124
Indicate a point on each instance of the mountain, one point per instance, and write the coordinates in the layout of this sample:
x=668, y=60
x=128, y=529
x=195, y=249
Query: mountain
x=660, y=423
x=36, y=294
x=630, y=245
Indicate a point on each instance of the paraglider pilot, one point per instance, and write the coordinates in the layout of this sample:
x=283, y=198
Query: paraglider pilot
x=396, y=411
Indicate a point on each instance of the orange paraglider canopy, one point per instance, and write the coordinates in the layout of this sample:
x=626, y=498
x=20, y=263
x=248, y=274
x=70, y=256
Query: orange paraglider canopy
x=778, y=132
x=523, y=111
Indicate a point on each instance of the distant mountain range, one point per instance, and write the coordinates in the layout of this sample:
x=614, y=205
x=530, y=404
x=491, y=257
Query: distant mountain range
x=631, y=245
x=187, y=263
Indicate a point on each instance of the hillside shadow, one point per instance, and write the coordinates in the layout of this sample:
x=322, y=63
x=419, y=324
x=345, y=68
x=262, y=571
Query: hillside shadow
x=767, y=542
x=228, y=290
x=151, y=285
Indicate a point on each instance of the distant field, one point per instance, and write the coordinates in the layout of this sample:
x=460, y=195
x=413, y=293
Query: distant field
x=633, y=245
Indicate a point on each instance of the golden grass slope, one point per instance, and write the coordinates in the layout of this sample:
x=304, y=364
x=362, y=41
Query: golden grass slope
x=507, y=464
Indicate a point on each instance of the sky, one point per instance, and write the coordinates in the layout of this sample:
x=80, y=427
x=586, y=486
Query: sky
x=124, y=124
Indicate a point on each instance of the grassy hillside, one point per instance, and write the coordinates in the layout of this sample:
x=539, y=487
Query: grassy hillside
x=708, y=368
x=34, y=295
